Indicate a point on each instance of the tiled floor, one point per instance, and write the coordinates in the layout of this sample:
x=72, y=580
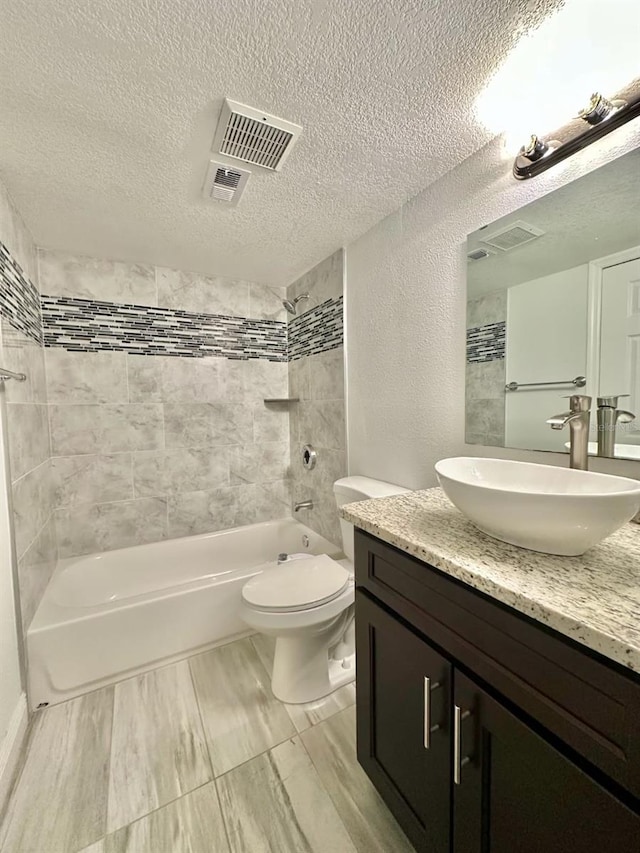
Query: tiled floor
x=198, y=757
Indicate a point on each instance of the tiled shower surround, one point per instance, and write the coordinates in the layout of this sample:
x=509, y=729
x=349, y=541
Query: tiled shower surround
x=485, y=369
x=27, y=424
x=151, y=421
x=156, y=382
x=316, y=377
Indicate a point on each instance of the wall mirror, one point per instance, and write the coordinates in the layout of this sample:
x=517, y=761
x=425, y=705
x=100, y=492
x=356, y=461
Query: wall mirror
x=553, y=309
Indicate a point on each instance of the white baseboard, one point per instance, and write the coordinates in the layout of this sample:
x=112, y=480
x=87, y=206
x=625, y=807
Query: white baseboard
x=11, y=748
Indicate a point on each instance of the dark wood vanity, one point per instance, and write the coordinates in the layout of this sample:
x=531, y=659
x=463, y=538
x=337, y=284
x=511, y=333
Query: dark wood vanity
x=483, y=730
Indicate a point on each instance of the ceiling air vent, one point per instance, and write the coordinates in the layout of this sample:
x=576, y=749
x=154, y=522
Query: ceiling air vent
x=512, y=236
x=252, y=136
x=225, y=183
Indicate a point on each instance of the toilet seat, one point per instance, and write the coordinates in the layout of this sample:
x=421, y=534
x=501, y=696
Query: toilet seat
x=298, y=585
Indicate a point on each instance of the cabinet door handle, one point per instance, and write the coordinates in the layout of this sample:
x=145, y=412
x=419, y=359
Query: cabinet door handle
x=428, y=728
x=458, y=762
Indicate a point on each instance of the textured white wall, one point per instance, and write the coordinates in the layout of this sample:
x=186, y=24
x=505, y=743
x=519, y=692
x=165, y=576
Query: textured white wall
x=406, y=298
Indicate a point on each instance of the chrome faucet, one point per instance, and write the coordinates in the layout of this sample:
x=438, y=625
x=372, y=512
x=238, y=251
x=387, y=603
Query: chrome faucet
x=578, y=418
x=609, y=416
x=303, y=505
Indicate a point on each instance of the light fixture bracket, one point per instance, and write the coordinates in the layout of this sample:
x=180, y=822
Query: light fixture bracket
x=601, y=117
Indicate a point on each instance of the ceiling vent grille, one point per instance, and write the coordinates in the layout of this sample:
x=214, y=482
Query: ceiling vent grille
x=225, y=183
x=516, y=234
x=252, y=136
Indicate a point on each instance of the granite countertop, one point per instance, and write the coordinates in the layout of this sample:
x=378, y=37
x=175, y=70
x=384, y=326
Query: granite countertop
x=593, y=599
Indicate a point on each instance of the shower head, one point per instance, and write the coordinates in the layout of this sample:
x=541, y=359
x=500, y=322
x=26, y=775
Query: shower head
x=291, y=305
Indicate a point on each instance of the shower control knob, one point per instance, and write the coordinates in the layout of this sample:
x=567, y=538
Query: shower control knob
x=309, y=457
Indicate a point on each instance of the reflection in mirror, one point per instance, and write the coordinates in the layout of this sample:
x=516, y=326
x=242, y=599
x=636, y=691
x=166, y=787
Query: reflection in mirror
x=553, y=309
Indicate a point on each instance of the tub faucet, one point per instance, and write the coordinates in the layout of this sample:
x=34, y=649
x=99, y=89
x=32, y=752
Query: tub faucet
x=578, y=418
x=303, y=505
x=609, y=416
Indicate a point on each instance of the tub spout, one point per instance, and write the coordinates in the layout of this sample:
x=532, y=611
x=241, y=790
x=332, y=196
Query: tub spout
x=303, y=505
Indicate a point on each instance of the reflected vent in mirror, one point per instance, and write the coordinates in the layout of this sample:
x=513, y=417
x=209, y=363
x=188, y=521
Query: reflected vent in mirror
x=478, y=254
x=224, y=183
x=512, y=236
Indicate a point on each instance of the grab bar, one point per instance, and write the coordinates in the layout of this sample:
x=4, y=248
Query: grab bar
x=9, y=374
x=579, y=382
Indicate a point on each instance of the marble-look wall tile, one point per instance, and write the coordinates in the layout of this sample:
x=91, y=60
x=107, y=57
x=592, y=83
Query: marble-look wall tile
x=91, y=278
x=32, y=503
x=258, y=463
x=270, y=422
x=173, y=380
x=207, y=424
x=172, y=472
x=86, y=529
x=86, y=377
x=92, y=478
x=192, y=824
x=265, y=302
x=16, y=236
x=485, y=380
x=158, y=751
x=35, y=568
x=319, y=418
x=322, y=423
x=23, y=355
x=326, y=375
x=60, y=803
x=277, y=802
x=484, y=417
x=490, y=308
x=29, y=443
x=193, y=292
x=265, y=379
x=208, y=510
x=324, y=281
x=26, y=416
x=110, y=428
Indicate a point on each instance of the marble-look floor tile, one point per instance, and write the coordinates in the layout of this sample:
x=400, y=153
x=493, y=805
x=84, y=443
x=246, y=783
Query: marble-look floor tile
x=158, y=751
x=98, y=847
x=276, y=802
x=332, y=747
x=60, y=803
x=240, y=715
x=192, y=824
x=310, y=713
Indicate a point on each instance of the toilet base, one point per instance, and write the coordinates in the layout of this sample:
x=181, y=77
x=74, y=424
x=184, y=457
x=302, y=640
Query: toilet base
x=302, y=672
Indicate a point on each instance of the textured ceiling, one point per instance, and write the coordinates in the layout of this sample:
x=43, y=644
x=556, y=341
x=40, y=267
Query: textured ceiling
x=594, y=216
x=109, y=108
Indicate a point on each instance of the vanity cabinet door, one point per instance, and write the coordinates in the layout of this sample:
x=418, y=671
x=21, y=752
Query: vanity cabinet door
x=517, y=794
x=404, y=708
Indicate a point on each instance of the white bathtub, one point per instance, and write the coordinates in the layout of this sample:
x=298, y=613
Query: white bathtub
x=108, y=616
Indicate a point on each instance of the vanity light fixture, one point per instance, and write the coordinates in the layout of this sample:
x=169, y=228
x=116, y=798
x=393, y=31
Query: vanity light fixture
x=597, y=119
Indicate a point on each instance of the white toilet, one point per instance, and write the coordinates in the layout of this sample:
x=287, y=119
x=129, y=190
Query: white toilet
x=307, y=603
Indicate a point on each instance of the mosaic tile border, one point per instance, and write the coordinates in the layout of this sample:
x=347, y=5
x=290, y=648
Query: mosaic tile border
x=88, y=325
x=19, y=298
x=486, y=343
x=317, y=330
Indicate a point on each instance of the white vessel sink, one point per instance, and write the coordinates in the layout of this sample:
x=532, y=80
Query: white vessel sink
x=553, y=510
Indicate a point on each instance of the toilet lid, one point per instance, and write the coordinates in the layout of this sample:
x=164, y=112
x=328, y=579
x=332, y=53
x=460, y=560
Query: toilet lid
x=297, y=585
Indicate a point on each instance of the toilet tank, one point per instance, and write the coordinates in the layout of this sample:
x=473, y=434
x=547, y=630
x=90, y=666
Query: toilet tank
x=350, y=489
